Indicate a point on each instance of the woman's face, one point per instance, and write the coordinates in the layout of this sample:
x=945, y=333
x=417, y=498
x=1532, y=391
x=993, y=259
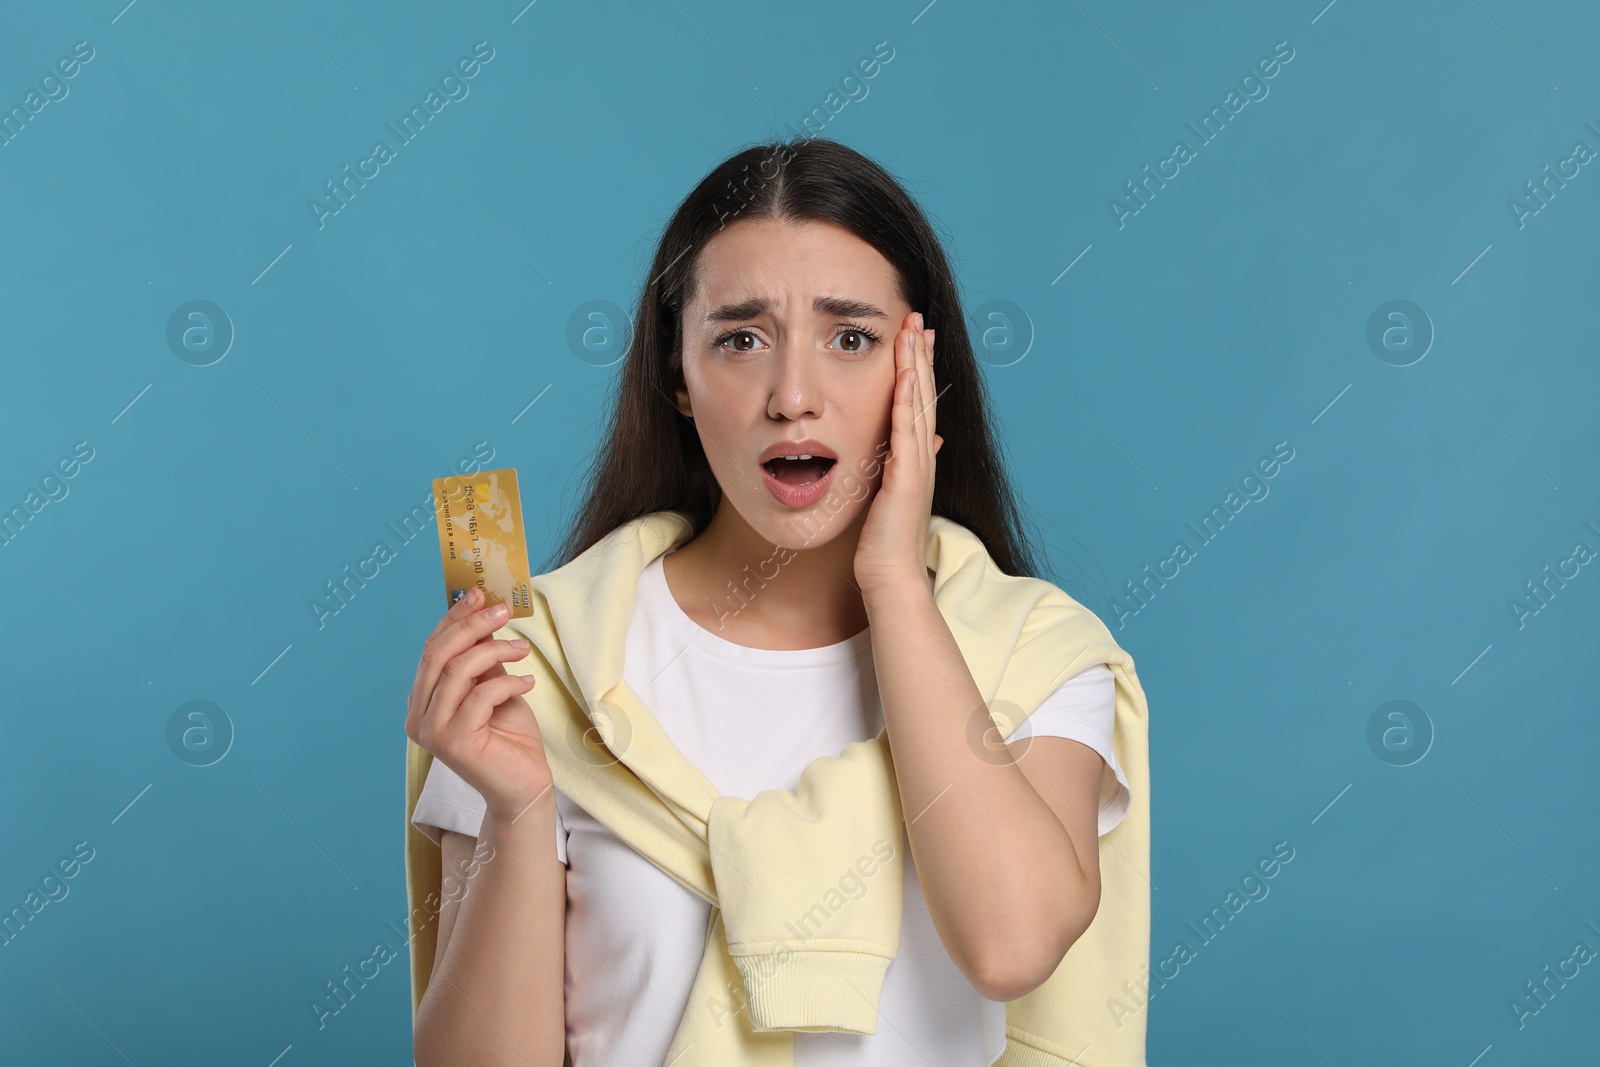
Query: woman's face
x=790, y=337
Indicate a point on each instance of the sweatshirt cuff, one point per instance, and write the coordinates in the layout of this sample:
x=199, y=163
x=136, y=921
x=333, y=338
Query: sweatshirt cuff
x=814, y=989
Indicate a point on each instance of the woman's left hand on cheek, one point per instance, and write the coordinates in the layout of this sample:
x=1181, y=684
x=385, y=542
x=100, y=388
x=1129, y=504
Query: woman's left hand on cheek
x=893, y=547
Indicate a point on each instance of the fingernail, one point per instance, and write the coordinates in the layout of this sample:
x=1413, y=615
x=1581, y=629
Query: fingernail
x=520, y=644
x=496, y=612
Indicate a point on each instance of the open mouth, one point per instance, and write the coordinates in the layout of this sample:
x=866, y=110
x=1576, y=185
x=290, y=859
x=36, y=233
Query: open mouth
x=798, y=471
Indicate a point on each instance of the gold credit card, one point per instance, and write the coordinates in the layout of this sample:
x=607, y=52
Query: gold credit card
x=481, y=538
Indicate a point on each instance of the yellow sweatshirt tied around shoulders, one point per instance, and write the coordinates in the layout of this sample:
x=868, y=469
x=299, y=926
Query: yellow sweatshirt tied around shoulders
x=773, y=865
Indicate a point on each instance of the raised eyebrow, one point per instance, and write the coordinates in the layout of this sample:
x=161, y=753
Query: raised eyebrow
x=845, y=307
x=747, y=309
x=833, y=305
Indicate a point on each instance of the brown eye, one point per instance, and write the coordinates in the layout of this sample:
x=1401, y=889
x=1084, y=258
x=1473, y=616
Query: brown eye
x=866, y=337
x=725, y=338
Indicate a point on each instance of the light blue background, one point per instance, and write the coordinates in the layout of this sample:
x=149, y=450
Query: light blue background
x=1228, y=315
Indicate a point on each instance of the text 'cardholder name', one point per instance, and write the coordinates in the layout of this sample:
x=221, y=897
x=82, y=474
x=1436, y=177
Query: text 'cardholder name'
x=481, y=538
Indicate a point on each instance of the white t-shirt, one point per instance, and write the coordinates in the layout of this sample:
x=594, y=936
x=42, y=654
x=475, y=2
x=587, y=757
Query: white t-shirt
x=754, y=719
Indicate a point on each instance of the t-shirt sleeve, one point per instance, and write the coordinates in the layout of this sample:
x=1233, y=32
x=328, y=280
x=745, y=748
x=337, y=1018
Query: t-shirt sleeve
x=1084, y=709
x=447, y=802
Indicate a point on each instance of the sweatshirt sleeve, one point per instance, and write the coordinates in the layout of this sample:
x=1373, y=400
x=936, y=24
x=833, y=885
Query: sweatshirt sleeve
x=447, y=802
x=1083, y=708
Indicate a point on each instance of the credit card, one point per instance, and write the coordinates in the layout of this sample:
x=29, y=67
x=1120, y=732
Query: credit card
x=481, y=539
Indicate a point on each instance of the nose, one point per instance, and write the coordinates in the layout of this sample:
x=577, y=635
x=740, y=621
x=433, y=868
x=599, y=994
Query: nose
x=796, y=390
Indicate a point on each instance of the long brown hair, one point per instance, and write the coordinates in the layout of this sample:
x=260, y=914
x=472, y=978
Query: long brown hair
x=651, y=459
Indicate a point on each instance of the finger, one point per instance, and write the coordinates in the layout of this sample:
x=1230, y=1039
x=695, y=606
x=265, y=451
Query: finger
x=459, y=610
x=916, y=365
x=441, y=644
x=902, y=350
x=933, y=388
x=922, y=394
x=901, y=428
x=431, y=672
x=462, y=632
x=904, y=342
x=478, y=708
x=927, y=413
x=460, y=674
x=471, y=629
x=925, y=385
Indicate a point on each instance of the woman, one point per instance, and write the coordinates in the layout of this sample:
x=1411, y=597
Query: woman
x=780, y=393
